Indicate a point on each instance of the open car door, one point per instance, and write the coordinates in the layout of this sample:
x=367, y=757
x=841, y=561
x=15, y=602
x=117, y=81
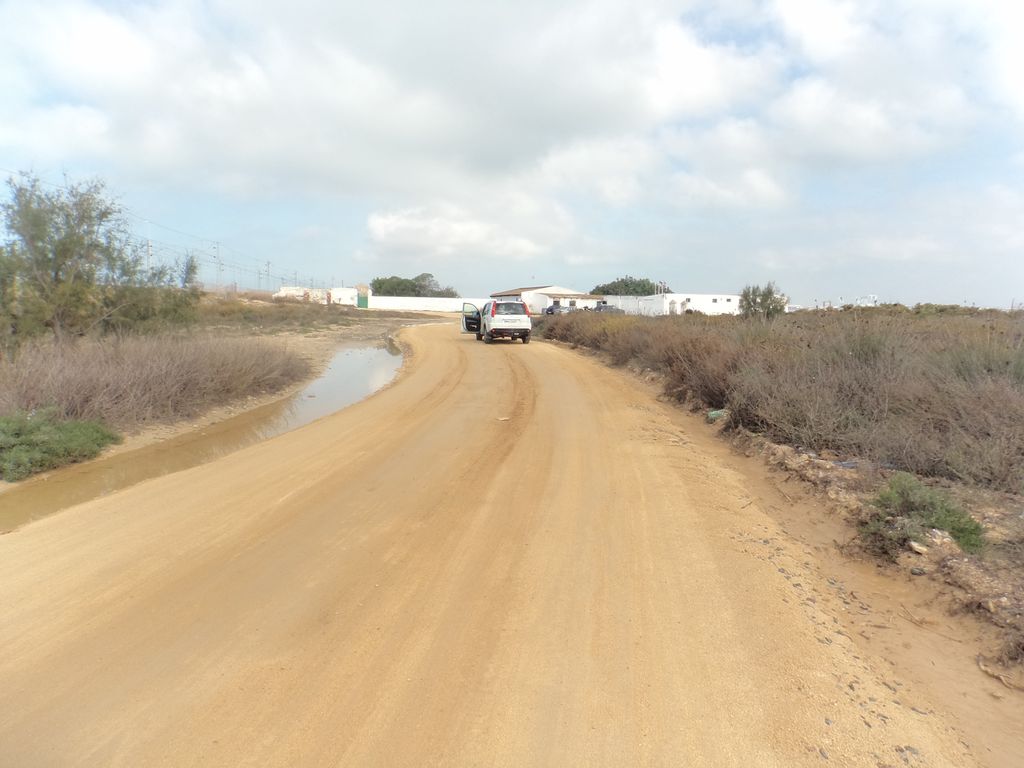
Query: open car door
x=470, y=319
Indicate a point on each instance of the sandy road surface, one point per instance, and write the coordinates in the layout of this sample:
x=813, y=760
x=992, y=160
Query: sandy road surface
x=512, y=556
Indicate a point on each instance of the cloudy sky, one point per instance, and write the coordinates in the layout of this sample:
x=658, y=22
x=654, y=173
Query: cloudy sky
x=838, y=147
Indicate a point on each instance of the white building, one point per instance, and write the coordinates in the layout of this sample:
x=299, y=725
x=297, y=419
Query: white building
x=678, y=303
x=346, y=296
x=540, y=297
x=342, y=295
x=422, y=303
x=291, y=292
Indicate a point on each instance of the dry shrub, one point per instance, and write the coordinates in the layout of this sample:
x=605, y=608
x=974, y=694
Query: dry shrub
x=701, y=363
x=935, y=394
x=1013, y=649
x=144, y=379
x=254, y=312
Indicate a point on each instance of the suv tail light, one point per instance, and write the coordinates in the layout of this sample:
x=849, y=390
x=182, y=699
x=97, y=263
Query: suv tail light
x=527, y=308
x=494, y=308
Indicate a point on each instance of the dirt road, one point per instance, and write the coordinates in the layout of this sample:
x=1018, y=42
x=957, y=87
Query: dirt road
x=512, y=556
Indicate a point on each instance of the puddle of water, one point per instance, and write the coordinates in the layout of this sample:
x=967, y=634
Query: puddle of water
x=351, y=375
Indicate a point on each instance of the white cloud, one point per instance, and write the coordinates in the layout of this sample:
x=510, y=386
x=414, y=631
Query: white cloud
x=939, y=233
x=44, y=132
x=823, y=29
x=614, y=169
x=1003, y=21
x=731, y=164
x=563, y=134
x=78, y=46
x=818, y=120
x=688, y=77
x=751, y=187
x=911, y=248
x=448, y=233
x=983, y=38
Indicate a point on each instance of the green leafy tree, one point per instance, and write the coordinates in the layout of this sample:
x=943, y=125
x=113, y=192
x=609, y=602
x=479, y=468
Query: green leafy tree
x=8, y=303
x=421, y=285
x=62, y=242
x=147, y=298
x=70, y=265
x=762, y=301
x=393, y=286
x=630, y=286
x=428, y=286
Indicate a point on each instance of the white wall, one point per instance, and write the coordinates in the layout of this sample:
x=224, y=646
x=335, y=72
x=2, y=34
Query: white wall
x=653, y=305
x=677, y=303
x=290, y=292
x=535, y=300
x=319, y=295
x=347, y=296
x=628, y=304
x=538, y=301
x=313, y=295
x=422, y=303
x=708, y=303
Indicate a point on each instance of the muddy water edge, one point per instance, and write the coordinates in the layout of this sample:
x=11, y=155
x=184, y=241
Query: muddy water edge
x=355, y=371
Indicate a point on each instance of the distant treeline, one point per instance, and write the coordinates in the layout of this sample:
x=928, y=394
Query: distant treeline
x=421, y=285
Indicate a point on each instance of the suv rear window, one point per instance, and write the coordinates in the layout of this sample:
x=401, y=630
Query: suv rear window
x=510, y=308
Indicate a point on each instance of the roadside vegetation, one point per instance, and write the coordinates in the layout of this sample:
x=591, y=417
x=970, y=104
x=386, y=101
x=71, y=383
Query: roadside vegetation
x=906, y=509
x=140, y=380
x=254, y=312
x=764, y=302
x=95, y=341
x=911, y=420
x=69, y=269
x=259, y=313
x=35, y=442
x=935, y=394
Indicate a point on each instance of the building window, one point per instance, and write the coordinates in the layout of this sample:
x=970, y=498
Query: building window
x=714, y=301
x=728, y=300
x=687, y=301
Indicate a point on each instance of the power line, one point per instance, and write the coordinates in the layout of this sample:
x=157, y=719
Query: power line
x=211, y=256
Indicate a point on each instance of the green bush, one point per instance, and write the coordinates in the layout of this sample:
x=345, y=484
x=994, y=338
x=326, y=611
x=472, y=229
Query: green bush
x=31, y=443
x=906, y=509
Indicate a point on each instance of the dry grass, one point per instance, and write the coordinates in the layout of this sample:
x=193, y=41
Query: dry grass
x=255, y=312
x=937, y=394
x=141, y=380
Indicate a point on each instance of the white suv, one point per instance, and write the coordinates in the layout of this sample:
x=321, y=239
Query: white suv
x=508, y=319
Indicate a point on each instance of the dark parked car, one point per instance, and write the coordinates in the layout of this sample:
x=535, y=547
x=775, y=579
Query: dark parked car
x=609, y=308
